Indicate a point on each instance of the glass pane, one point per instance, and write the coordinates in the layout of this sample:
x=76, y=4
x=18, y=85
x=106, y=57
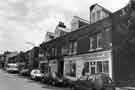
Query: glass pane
x=100, y=42
x=106, y=66
x=99, y=66
x=92, y=70
x=86, y=68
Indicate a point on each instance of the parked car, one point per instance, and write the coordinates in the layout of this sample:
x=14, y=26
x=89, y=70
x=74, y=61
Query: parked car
x=24, y=72
x=45, y=78
x=12, y=67
x=36, y=74
x=93, y=82
x=54, y=78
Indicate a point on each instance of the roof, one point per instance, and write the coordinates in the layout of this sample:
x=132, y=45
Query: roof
x=83, y=31
x=81, y=19
x=96, y=4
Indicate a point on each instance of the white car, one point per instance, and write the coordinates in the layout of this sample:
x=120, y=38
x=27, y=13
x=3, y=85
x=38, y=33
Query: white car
x=36, y=74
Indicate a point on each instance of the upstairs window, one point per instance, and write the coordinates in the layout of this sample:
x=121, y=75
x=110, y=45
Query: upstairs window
x=93, y=17
x=64, y=50
x=99, y=41
x=75, y=48
x=98, y=15
x=70, y=48
x=55, y=51
x=108, y=37
x=93, y=43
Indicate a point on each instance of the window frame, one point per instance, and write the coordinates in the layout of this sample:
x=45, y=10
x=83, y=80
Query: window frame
x=91, y=40
x=99, y=37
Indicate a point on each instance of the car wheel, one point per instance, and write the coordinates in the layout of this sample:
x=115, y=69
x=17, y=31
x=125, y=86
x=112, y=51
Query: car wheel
x=72, y=88
x=32, y=77
x=53, y=83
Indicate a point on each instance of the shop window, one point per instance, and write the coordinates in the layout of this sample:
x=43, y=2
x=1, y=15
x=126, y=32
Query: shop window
x=106, y=66
x=70, y=69
x=73, y=70
x=67, y=69
x=85, y=69
x=93, y=67
x=93, y=71
x=99, y=67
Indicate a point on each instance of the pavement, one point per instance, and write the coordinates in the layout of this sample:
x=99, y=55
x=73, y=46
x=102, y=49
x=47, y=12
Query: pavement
x=125, y=88
x=15, y=82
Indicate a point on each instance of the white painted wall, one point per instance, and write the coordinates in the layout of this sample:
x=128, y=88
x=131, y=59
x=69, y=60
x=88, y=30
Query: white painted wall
x=81, y=59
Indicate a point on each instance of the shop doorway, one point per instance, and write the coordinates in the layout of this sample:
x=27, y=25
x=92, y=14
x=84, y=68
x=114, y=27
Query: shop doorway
x=61, y=67
x=92, y=67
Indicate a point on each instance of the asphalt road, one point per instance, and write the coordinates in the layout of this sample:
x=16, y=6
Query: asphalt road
x=16, y=82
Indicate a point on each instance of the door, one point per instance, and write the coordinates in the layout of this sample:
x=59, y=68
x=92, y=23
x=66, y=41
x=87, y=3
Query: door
x=92, y=67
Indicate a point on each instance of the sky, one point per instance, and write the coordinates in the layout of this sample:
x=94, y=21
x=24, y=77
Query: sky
x=23, y=21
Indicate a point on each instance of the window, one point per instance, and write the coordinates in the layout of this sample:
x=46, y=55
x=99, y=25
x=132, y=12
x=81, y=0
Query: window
x=106, y=66
x=71, y=69
x=99, y=66
x=75, y=48
x=93, y=17
x=70, y=48
x=55, y=51
x=64, y=50
x=85, y=69
x=99, y=41
x=108, y=37
x=93, y=43
x=98, y=15
x=95, y=67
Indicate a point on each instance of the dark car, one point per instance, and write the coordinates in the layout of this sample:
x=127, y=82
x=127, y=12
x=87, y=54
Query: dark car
x=24, y=72
x=54, y=78
x=93, y=82
x=45, y=78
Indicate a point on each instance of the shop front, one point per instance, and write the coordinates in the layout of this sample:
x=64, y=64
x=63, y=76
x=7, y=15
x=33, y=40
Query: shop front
x=73, y=66
x=79, y=65
x=43, y=66
x=53, y=64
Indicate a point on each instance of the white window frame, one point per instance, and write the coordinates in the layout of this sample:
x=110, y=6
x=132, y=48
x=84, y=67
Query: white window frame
x=107, y=30
x=99, y=14
x=75, y=47
x=91, y=44
x=93, y=17
x=99, y=36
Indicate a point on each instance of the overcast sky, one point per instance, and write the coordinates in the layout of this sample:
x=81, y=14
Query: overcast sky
x=24, y=21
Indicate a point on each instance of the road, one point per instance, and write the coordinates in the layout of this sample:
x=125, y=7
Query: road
x=16, y=82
